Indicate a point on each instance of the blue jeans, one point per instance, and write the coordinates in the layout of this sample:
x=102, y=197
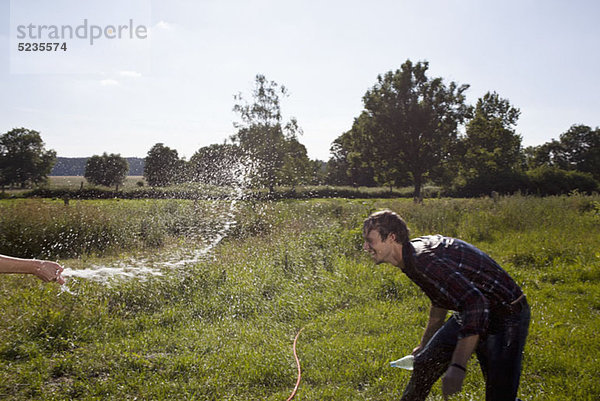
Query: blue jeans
x=499, y=353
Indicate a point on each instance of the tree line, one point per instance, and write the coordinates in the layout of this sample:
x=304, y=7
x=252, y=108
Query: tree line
x=408, y=134
x=75, y=166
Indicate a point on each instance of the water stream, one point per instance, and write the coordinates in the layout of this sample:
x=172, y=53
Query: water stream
x=191, y=250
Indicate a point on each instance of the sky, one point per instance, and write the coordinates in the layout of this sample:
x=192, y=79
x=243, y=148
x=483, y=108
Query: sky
x=176, y=86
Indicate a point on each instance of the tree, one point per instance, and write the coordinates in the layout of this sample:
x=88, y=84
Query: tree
x=413, y=122
x=23, y=158
x=319, y=172
x=549, y=154
x=216, y=164
x=581, y=149
x=577, y=149
x=262, y=134
x=351, y=161
x=297, y=167
x=492, y=154
x=107, y=170
x=162, y=166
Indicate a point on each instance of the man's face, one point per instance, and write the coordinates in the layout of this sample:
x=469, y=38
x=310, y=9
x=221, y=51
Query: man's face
x=379, y=250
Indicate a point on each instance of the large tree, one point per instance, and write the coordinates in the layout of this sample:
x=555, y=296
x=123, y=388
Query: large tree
x=262, y=132
x=107, y=170
x=162, y=166
x=491, y=150
x=23, y=158
x=413, y=122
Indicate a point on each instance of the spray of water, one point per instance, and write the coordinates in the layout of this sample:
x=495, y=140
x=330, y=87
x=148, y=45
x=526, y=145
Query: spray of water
x=105, y=272
x=239, y=175
x=197, y=246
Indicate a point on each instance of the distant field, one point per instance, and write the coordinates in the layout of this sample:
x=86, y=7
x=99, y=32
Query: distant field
x=75, y=181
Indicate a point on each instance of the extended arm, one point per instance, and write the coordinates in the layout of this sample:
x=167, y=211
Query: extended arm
x=43, y=269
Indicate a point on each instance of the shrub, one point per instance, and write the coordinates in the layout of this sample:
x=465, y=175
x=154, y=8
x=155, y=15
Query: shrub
x=508, y=182
x=554, y=181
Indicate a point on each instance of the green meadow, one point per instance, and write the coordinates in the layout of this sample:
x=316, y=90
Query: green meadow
x=222, y=328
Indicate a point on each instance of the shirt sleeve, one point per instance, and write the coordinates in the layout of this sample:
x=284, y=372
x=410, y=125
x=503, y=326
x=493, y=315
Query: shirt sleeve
x=473, y=309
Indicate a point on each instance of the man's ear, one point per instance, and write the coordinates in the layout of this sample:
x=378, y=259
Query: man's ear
x=392, y=236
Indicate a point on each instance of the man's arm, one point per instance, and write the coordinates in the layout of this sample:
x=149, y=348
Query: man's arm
x=464, y=348
x=437, y=317
x=453, y=379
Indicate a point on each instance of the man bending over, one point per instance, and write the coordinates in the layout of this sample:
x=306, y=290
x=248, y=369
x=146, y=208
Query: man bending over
x=491, y=314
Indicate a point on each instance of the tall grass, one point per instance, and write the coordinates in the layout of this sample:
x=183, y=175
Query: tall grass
x=222, y=329
x=51, y=229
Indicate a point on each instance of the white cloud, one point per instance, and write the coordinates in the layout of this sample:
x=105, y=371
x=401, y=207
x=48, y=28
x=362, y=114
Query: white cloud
x=109, y=82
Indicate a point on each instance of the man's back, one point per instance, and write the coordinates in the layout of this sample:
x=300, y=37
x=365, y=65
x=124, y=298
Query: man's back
x=458, y=276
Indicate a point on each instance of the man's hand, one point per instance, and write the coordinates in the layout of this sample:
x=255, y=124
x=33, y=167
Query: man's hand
x=49, y=271
x=452, y=381
x=417, y=350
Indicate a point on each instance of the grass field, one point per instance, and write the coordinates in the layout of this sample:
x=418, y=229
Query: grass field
x=222, y=328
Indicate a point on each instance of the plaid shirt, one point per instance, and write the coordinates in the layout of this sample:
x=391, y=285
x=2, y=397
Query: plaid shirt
x=457, y=276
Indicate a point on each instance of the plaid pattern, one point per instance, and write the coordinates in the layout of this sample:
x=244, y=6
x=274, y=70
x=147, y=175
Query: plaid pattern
x=457, y=276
